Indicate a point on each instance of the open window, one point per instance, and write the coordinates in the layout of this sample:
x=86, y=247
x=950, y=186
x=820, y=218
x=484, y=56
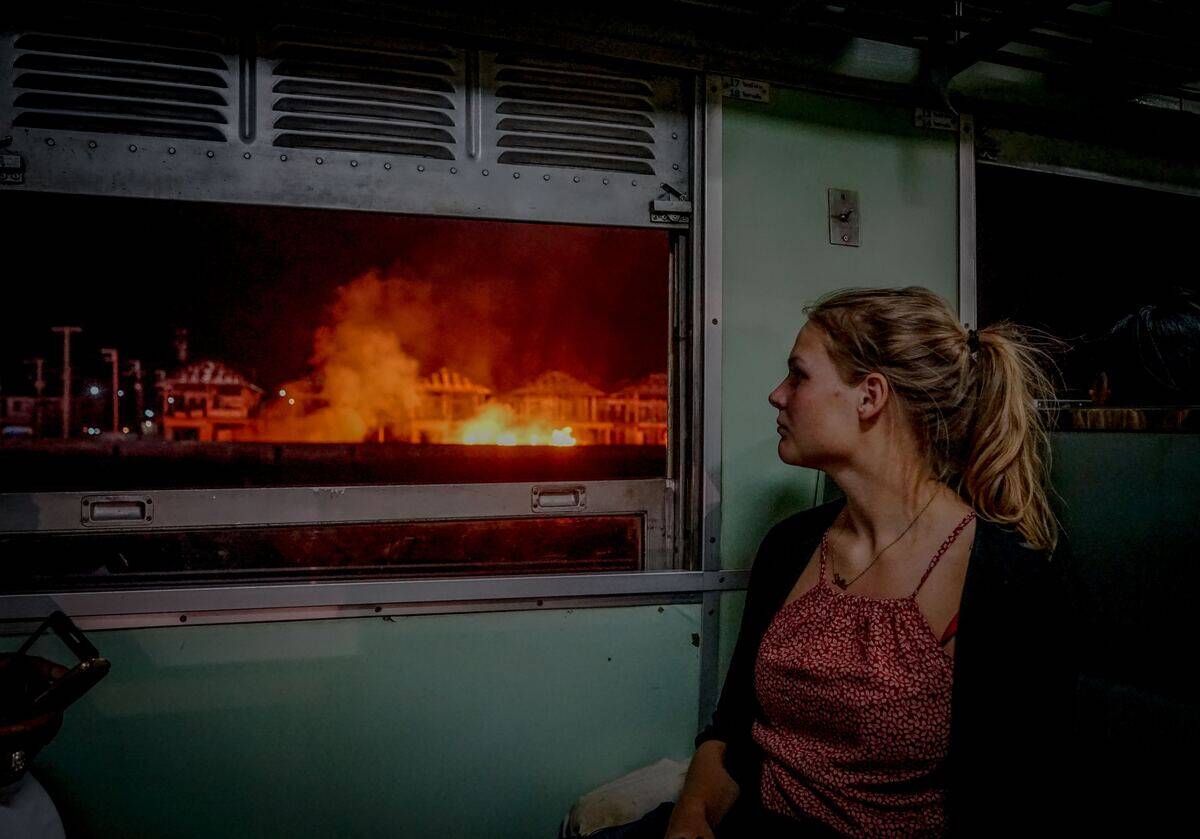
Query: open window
x=339, y=304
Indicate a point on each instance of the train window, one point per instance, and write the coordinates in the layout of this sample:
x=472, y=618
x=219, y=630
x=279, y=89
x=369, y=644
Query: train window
x=185, y=344
x=1102, y=266
x=427, y=385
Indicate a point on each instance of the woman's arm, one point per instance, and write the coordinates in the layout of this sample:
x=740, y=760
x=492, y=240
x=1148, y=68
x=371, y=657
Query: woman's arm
x=708, y=794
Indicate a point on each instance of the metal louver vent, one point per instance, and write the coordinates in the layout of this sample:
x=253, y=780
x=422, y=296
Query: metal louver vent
x=154, y=75
x=577, y=116
x=360, y=96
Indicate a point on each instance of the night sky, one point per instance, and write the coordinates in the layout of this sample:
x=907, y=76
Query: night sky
x=501, y=302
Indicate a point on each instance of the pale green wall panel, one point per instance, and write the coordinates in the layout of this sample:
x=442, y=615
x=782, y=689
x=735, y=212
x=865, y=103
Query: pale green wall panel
x=779, y=160
x=485, y=725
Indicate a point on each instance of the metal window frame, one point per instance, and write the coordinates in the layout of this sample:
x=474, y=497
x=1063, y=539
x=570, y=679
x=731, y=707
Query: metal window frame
x=683, y=509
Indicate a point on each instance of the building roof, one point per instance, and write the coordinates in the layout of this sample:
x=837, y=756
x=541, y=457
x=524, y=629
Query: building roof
x=208, y=372
x=556, y=383
x=446, y=380
x=653, y=386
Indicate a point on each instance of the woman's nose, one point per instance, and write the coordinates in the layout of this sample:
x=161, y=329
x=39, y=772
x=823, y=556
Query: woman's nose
x=775, y=400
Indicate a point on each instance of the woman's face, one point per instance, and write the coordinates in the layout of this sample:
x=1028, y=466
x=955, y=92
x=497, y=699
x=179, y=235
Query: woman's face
x=818, y=422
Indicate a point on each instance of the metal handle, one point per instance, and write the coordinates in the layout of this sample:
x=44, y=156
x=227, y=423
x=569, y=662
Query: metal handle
x=559, y=498
x=117, y=509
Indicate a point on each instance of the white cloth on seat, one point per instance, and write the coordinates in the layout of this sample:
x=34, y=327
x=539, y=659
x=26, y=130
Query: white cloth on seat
x=26, y=811
x=626, y=799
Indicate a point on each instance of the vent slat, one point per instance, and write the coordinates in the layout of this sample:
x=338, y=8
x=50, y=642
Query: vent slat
x=571, y=113
x=362, y=75
x=573, y=97
x=128, y=90
x=575, y=145
x=358, y=127
x=124, y=70
x=366, y=93
x=130, y=107
x=576, y=162
x=578, y=81
x=148, y=53
x=145, y=128
x=197, y=33
x=542, y=126
x=361, y=59
x=290, y=104
x=290, y=140
x=590, y=67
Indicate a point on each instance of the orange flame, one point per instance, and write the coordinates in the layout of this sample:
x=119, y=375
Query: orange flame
x=495, y=425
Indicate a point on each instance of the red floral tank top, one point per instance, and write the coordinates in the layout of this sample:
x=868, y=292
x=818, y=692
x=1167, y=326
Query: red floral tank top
x=855, y=698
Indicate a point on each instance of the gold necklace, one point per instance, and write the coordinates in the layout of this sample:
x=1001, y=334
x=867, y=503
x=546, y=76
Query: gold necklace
x=841, y=581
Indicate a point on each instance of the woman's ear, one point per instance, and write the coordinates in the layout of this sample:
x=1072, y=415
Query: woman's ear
x=873, y=394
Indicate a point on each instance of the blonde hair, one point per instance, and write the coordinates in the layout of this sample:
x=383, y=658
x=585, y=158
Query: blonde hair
x=977, y=420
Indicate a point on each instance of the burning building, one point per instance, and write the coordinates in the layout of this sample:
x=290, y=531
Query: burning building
x=209, y=402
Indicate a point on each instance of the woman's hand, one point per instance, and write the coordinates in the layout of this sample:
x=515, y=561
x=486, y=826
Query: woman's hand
x=688, y=822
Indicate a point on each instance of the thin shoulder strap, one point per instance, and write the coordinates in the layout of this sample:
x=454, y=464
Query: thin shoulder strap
x=945, y=547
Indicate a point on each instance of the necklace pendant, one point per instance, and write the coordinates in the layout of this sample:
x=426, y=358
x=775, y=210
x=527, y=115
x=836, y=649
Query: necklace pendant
x=841, y=581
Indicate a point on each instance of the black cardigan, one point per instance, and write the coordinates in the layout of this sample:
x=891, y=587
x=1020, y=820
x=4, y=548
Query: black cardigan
x=1012, y=702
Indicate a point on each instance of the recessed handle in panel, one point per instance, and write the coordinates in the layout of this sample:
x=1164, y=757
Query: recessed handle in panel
x=117, y=510
x=559, y=498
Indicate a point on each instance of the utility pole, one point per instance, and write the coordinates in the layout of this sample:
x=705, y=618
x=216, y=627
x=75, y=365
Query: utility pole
x=110, y=355
x=135, y=368
x=66, y=397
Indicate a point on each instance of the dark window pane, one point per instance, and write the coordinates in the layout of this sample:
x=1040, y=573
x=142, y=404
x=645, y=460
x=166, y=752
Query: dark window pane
x=1103, y=267
x=449, y=548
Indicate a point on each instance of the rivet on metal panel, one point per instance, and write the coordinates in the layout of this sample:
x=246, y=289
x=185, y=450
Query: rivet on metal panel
x=675, y=166
x=634, y=183
x=545, y=177
x=387, y=166
x=91, y=144
x=283, y=157
x=132, y=147
x=714, y=321
x=485, y=173
x=170, y=150
x=453, y=170
x=606, y=181
x=576, y=179
x=246, y=155
x=516, y=174
x=209, y=153
x=674, y=135
x=320, y=160
x=353, y=164
x=183, y=618
x=420, y=168
x=49, y=141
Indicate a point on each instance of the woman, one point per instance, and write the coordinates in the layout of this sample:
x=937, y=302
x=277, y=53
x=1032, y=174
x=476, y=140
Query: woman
x=903, y=666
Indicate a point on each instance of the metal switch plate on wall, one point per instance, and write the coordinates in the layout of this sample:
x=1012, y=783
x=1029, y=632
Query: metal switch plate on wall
x=843, y=217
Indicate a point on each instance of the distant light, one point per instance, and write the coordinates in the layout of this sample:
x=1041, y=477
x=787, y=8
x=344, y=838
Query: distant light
x=94, y=391
x=291, y=401
x=148, y=424
x=282, y=392
x=120, y=393
x=149, y=413
x=125, y=429
x=170, y=400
